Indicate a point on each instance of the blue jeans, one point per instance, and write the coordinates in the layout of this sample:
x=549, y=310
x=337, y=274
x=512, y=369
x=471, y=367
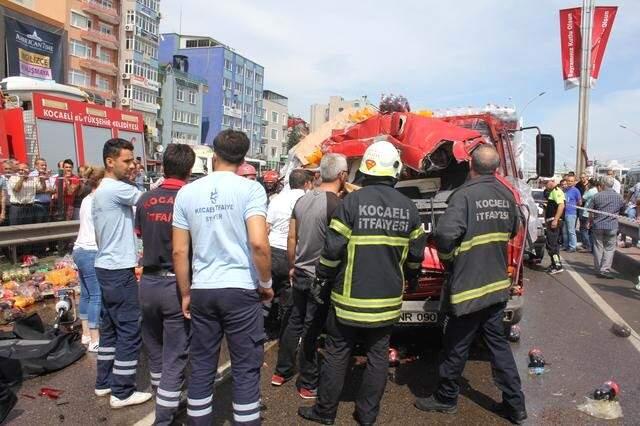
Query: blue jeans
x=90, y=293
x=569, y=232
x=631, y=213
x=585, y=234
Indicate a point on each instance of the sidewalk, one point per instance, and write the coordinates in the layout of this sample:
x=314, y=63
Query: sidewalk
x=627, y=260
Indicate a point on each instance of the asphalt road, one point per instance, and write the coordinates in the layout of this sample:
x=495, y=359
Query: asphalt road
x=560, y=319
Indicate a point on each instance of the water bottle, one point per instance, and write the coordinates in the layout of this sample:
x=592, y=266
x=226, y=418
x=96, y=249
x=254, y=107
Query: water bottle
x=607, y=392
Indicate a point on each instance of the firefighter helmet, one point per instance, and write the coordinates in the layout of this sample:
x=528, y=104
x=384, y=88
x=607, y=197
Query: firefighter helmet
x=270, y=176
x=246, y=170
x=381, y=159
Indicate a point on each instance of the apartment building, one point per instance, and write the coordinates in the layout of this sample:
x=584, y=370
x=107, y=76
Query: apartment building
x=93, y=43
x=234, y=99
x=321, y=113
x=275, y=119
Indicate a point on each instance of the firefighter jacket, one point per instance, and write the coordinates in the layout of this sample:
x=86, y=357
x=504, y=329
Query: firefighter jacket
x=472, y=238
x=374, y=235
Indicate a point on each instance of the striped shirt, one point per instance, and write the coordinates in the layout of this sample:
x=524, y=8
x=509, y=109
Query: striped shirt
x=607, y=201
x=27, y=193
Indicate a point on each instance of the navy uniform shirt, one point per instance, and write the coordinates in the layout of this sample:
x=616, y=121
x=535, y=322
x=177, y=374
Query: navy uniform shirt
x=154, y=218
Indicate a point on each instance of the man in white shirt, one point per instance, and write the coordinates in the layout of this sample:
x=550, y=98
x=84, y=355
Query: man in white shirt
x=278, y=218
x=616, y=183
x=22, y=194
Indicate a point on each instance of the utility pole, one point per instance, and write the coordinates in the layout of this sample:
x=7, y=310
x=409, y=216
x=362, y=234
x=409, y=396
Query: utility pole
x=585, y=85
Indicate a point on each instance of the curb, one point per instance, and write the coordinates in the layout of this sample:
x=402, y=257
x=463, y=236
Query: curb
x=626, y=264
x=222, y=375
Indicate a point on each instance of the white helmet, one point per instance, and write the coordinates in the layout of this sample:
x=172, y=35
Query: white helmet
x=381, y=159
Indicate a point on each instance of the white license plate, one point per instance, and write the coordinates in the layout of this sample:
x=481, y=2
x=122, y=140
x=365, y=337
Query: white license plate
x=418, y=317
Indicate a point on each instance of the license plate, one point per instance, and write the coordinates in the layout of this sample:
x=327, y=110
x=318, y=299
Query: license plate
x=418, y=317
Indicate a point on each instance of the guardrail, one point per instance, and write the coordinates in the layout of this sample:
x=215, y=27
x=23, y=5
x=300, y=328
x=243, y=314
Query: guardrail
x=627, y=227
x=13, y=236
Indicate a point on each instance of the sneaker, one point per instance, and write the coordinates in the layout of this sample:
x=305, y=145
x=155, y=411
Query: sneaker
x=552, y=270
x=278, y=380
x=605, y=275
x=86, y=339
x=308, y=413
x=432, y=404
x=102, y=392
x=133, y=399
x=308, y=393
x=93, y=347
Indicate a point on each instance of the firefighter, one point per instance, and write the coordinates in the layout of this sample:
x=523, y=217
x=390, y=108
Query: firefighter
x=374, y=241
x=271, y=181
x=246, y=170
x=165, y=331
x=472, y=238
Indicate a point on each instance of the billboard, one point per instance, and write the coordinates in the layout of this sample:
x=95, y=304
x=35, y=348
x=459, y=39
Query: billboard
x=33, y=52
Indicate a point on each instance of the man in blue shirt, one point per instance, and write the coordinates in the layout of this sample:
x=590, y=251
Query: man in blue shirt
x=572, y=199
x=115, y=262
x=222, y=217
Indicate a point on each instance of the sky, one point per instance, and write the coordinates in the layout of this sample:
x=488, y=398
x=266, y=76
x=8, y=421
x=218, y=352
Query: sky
x=438, y=54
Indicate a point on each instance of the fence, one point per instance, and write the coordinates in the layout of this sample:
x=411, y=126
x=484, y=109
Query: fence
x=13, y=236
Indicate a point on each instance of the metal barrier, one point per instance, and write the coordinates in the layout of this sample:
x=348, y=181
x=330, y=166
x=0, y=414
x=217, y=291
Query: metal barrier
x=12, y=236
x=627, y=227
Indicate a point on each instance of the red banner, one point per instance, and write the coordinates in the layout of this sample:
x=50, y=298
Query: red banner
x=571, y=46
x=602, y=22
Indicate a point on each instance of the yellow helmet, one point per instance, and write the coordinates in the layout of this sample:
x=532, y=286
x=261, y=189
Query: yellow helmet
x=381, y=159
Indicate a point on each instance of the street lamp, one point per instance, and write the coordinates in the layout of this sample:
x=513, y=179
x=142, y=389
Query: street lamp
x=635, y=132
x=531, y=101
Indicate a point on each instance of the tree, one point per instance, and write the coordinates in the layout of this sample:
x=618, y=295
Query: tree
x=295, y=135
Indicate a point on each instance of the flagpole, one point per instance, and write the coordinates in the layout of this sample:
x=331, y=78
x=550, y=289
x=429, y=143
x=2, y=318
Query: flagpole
x=585, y=86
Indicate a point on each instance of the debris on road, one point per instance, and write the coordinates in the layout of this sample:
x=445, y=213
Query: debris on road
x=608, y=391
x=51, y=393
x=514, y=333
x=607, y=410
x=621, y=330
x=536, y=362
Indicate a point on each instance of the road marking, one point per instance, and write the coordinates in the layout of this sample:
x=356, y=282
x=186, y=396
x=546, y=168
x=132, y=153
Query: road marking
x=606, y=309
x=221, y=375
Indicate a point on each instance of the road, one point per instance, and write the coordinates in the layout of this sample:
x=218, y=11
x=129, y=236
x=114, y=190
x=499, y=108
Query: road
x=561, y=319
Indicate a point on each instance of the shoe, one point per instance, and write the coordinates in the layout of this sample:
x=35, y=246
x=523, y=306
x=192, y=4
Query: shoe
x=356, y=417
x=606, y=275
x=102, y=392
x=308, y=413
x=432, y=404
x=278, y=380
x=93, y=347
x=584, y=250
x=571, y=251
x=85, y=340
x=308, y=393
x=514, y=416
x=552, y=270
x=133, y=399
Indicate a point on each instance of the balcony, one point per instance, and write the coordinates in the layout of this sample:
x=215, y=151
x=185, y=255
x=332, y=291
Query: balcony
x=107, y=40
x=233, y=112
x=101, y=92
x=100, y=66
x=104, y=13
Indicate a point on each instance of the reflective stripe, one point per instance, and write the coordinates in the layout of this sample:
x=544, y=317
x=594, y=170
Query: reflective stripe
x=329, y=263
x=246, y=418
x=416, y=233
x=340, y=228
x=155, y=375
x=445, y=256
x=413, y=265
x=246, y=407
x=106, y=357
x=365, y=303
x=494, y=237
x=379, y=239
x=367, y=317
x=155, y=382
x=107, y=350
x=479, y=292
x=199, y=413
x=124, y=372
x=125, y=363
x=202, y=401
x=168, y=394
x=165, y=403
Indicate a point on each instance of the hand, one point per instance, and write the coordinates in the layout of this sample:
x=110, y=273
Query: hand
x=266, y=294
x=320, y=291
x=292, y=272
x=186, y=306
x=554, y=223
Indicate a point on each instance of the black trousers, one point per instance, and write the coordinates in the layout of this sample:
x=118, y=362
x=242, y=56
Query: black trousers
x=553, y=243
x=458, y=337
x=341, y=339
x=305, y=320
x=166, y=334
x=279, y=269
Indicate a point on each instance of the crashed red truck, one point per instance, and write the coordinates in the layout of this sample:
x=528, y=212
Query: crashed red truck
x=436, y=153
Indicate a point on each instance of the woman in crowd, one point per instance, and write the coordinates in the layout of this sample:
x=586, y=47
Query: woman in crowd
x=84, y=255
x=85, y=189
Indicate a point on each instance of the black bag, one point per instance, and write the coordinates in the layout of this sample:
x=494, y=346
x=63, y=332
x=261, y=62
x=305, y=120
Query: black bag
x=31, y=350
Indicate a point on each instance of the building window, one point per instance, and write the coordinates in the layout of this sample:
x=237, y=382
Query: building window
x=238, y=87
x=80, y=21
x=127, y=91
x=226, y=120
x=274, y=152
x=180, y=94
x=193, y=97
x=103, y=83
x=239, y=70
x=128, y=43
x=228, y=65
x=274, y=134
x=105, y=56
x=274, y=117
x=284, y=118
x=105, y=29
x=128, y=66
x=249, y=75
x=248, y=108
x=78, y=78
x=248, y=91
x=227, y=102
x=226, y=84
x=258, y=94
x=78, y=48
x=258, y=78
x=131, y=17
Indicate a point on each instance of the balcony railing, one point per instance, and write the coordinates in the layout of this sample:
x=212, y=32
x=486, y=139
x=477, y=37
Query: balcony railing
x=107, y=40
x=105, y=13
x=105, y=93
x=103, y=67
